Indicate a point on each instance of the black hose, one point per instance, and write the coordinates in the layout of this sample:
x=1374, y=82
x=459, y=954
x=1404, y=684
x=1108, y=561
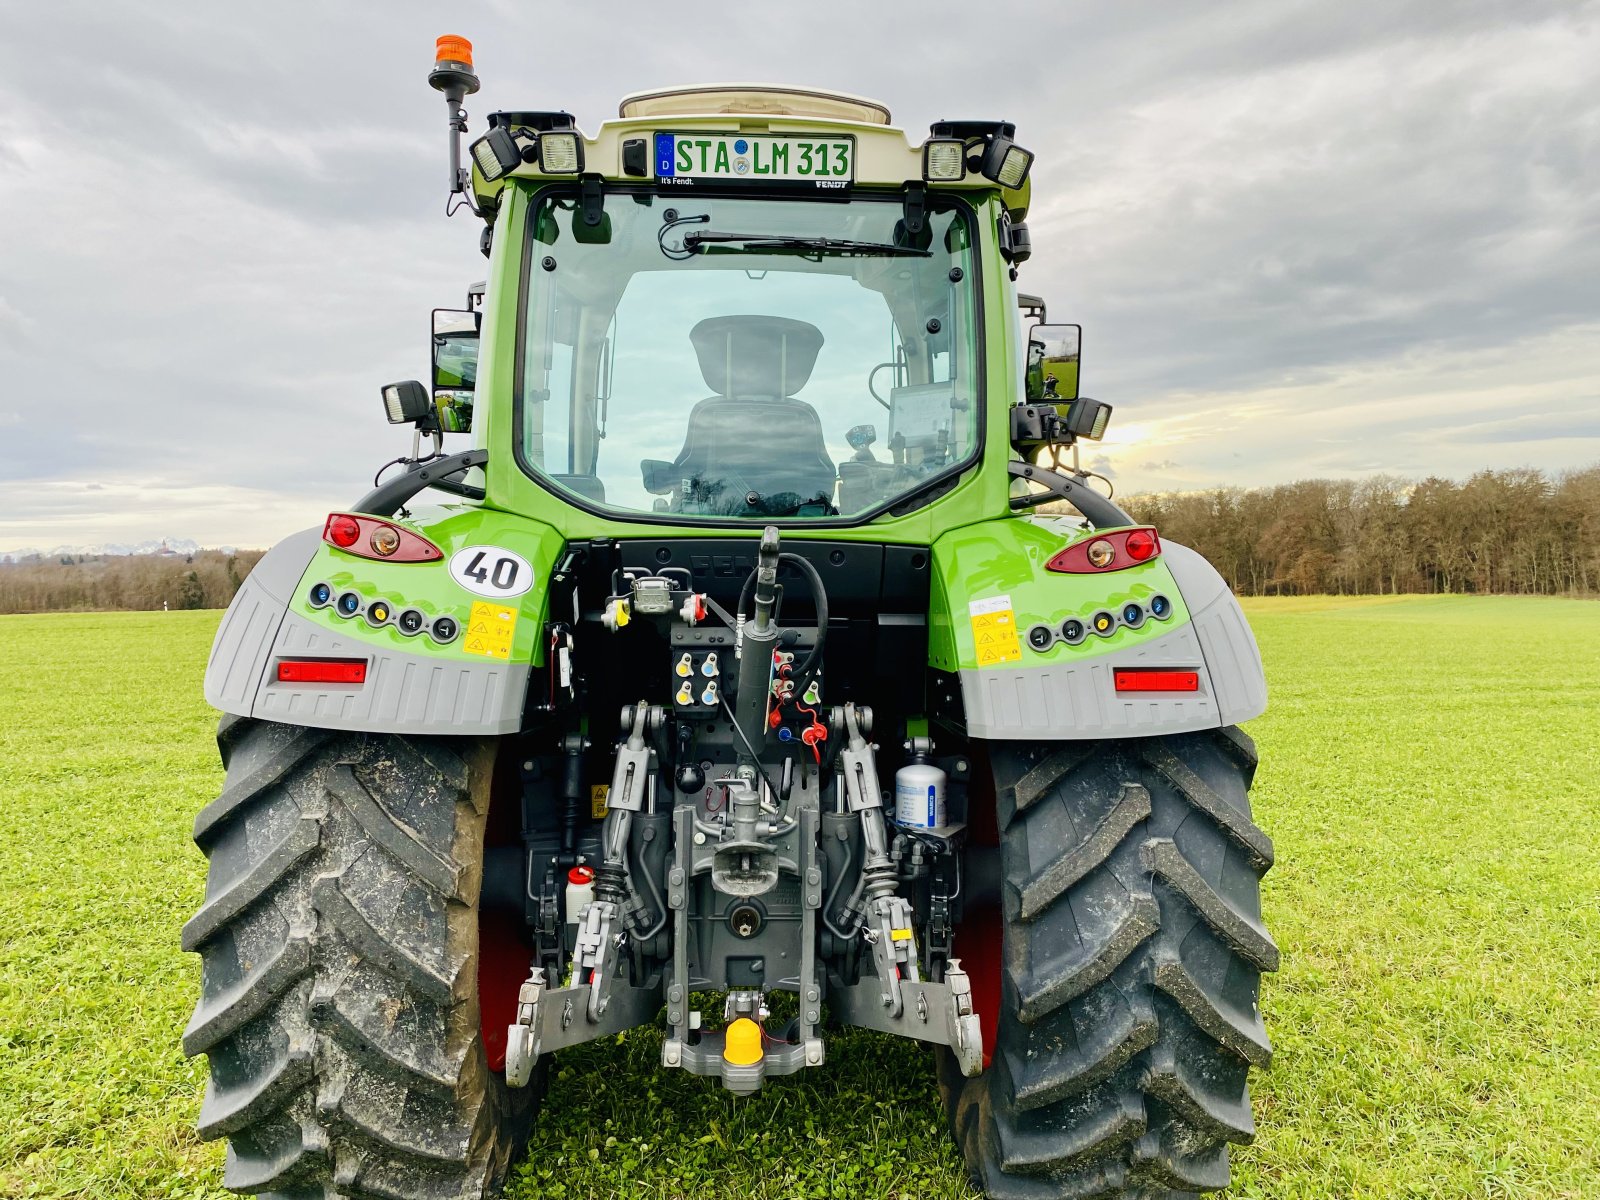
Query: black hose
x=807, y=668
x=744, y=592
x=819, y=595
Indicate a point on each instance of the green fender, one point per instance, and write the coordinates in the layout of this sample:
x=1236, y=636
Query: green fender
x=472, y=682
x=999, y=622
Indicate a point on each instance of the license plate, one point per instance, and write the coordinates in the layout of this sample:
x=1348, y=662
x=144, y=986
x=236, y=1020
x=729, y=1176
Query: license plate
x=685, y=157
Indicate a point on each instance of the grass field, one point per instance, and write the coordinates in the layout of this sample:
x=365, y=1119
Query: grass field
x=1430, y=773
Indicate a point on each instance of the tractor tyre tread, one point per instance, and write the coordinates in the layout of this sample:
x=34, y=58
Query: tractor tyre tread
x=338, y=946
x=1131, y=961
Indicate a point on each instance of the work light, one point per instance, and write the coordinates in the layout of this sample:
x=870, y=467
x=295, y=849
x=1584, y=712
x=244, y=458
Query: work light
x=1005, y=162
x=944, y=160
x=406, y=401
x=1088, y=418
x=560, y=153
x=496, y=153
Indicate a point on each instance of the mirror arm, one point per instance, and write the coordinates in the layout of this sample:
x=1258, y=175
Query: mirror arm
x=385, y=499
x=1100, y=511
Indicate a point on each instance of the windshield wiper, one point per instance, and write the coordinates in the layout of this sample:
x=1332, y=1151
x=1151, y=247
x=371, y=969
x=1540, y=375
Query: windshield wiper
x=694, y=243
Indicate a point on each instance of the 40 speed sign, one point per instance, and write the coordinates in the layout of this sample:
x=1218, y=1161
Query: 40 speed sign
x=491, y=571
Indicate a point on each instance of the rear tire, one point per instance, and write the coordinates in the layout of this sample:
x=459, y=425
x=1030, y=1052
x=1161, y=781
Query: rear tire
x=339, y=952
x=1132, y=952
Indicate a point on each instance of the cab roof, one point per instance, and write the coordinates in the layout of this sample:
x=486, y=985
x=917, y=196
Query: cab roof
x=753, y=99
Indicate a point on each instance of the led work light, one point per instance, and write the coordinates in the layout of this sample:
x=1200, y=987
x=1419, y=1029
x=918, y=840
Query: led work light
x=1005, y=162
x=944, y=160
x=496, y=154
x=560, y=153
x=1088, y=418
x=406, y=401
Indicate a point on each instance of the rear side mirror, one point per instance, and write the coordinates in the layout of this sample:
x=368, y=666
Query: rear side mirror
x=1053, y=362
x=455, y=350
x=455, y=367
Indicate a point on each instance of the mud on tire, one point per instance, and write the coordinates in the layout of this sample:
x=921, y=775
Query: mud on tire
x=1132, y=954
x=338, y=943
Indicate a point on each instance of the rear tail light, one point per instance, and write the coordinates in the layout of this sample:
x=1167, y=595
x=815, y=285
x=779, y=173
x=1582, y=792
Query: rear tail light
x=342, y=531
x=1146, y=679
x=368, y=537
x=322, y=670
x=1141, y=544
x=1107, y=552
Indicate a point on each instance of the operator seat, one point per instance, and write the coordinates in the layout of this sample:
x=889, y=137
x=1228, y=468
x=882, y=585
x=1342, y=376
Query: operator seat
x=752, y=435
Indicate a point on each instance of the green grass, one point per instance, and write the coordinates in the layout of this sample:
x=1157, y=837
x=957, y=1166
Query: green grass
x=1430, y=773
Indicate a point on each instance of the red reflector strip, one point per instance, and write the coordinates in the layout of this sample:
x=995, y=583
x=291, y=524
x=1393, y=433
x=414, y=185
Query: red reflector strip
x=1140, y=679
x=335, y=670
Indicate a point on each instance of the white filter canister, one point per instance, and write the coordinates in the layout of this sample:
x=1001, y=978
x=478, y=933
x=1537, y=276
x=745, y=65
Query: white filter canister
x=919, y=796
x=580, y=890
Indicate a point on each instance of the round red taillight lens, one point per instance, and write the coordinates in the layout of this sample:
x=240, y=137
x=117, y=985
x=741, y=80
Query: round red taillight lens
x=1141, y=544
x=343, y=531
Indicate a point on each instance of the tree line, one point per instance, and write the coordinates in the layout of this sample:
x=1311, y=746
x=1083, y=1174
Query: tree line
x=208, y=579
x=1509, y=531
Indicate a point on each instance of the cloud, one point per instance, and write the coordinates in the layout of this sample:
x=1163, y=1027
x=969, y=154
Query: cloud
x=1430, y=410
x=1302, y=238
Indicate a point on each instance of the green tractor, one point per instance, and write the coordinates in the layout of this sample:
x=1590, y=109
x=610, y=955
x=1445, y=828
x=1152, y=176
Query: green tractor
x=761, y=647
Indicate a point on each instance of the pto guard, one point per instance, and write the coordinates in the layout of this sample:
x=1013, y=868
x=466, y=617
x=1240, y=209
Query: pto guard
x=996, y=622
x=473, y=683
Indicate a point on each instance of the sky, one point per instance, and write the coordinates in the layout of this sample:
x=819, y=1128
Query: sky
x=1303, y=238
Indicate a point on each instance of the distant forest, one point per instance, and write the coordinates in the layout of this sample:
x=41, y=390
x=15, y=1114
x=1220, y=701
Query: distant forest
x=1513, y=531
x=207, y=579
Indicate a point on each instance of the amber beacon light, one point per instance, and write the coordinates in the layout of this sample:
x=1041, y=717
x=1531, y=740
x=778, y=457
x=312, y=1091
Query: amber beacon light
x=452, y=75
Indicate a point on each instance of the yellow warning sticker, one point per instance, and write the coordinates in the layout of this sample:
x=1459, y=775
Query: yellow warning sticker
x=599, y=793
x=994, y=631
x=489, y=630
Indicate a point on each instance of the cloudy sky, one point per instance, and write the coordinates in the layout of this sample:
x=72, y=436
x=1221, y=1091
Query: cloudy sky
x=1304, y=238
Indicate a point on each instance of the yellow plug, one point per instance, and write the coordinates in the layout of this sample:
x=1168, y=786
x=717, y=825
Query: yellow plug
x=741, y=1045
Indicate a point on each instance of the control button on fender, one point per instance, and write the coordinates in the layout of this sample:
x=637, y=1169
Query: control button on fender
x=1041, y=637
x=445, y=629
x=1073, y=631
x=410, y=622
x=1104, y=624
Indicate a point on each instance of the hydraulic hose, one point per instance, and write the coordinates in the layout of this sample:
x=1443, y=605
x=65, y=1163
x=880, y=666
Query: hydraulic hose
x=819, y=595
x=851, y=867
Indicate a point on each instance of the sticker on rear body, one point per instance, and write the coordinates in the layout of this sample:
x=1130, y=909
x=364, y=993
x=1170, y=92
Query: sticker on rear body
x=994, y=631
x=491, y=571
x=489, y=630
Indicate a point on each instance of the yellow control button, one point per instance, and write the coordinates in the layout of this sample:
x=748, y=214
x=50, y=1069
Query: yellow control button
x=742, y=1043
